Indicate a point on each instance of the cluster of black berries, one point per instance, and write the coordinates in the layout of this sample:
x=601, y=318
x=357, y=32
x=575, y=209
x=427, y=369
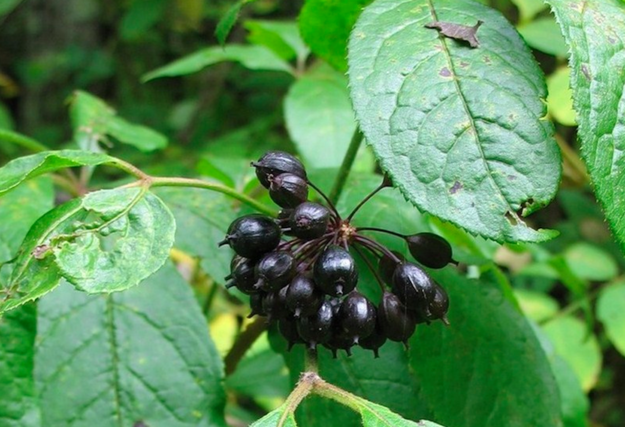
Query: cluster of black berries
x=298, y=269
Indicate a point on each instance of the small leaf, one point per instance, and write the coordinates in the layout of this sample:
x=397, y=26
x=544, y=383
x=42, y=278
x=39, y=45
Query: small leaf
x=35, y=273
x=146, y=353
x=610, y=312
x=132, y=227
x=93, y=120
x=319, y=117
x=325, y=26
x=27, y=167
x=283, y=38
x=545, y=35
x=460, y=131
x=571, y=341
x=273, y=419
x=227, y=21
x=594, y=30
x=529, y=8
x=457, y=31
x=589, y=262
x=374, y=415
x=537, y=306
x=252, y=57
x=560, y=99
x=18, y=403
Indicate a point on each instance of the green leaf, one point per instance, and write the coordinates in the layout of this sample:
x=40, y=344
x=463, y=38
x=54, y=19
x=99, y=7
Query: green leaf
x=273, y=418
x=19, y=170
x=146, y=353
x=325, y=26
x=374, y=415
x=35, y=274
x=529, y=8
x=593, y=30
x=6, y=6
x=560, y=99
x=252, y=57
x=487, y=368
x=537, y=306
x=580, y=350
x=227, y=21
x=460, y=131
x=545, y=35
x=204, y=217
x=575, y=404
x=18, y=404
x=131, y=227
x=610, y=312
x=283, y=38
x=93, y=120
x=589, y=262
x=319, y=118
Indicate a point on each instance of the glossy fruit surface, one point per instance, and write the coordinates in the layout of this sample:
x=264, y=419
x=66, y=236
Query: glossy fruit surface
x=316, y=329
x=335, y=271
x=413, y=286
x=288, y=190
x=387, y=266
x=396, y=322
x=288, y=329
x=309, y=220
x=274, y=163
x=302, y=297
x=256, y=304
x=274, y=305
x=275, y=270
x=251, y=236
x=438, y=306
x=375, y=340
x=243, y=275
x=357, y=316
x=430, y=249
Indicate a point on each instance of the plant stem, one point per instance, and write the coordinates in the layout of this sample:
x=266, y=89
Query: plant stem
x=243, y=344
x=22, y=141
x=366, y=199
x=346, y=166
x=198, y=183
x=381, y=230
x=310, y=360
x=336, y=217
x=370, y=266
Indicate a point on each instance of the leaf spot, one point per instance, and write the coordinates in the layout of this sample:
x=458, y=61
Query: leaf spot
x=586, y=72
x=456, y=187
x=512, y=218
x=445, y=72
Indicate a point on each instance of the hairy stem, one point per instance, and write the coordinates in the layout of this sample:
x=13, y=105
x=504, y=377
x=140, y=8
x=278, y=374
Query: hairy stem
x=346, y=166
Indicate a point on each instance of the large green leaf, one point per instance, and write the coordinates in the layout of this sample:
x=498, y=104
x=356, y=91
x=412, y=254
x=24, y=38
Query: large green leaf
x=23, y=168
x=594, y=30
x=140, y=355
x=325, y=26
x=204, y=218
x=18, y=406
x=461, y=131
x=93, y=120
x=319, y=117
x=252, y=57
x=487, y=368
x=610, y=312
x=94, y=243
x=133, y=227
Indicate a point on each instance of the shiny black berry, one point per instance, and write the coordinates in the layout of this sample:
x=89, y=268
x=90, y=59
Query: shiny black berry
x=339, y=340
x=274, y=305
x=252, y=235
x=396, y=322
x=430, y=249
x=275, y=270
x=288, y=329
x=438, y=306
x=413, y=286
x=335, y=271
x=387, y=266
x=316, y=329
x=302, y=297
x=256, y=304
x=309, y=220
x=375, y=340
x=357, y=316
x=242, y=275
x=288, y=190
x=274, y=163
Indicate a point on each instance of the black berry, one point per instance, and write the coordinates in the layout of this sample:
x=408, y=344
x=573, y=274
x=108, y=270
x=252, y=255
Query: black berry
x=274, y=163
x=309, y=220
x=275, y=270
x=396, y=322
x=288, y=190
x=430, y=250
x=252, y=235
x=302, y=297
x=357, y=316
x=413, y=286
x=316, y=329
x=335, y=271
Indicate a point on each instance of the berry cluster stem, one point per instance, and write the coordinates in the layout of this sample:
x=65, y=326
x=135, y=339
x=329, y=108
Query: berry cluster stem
x=346, y=166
